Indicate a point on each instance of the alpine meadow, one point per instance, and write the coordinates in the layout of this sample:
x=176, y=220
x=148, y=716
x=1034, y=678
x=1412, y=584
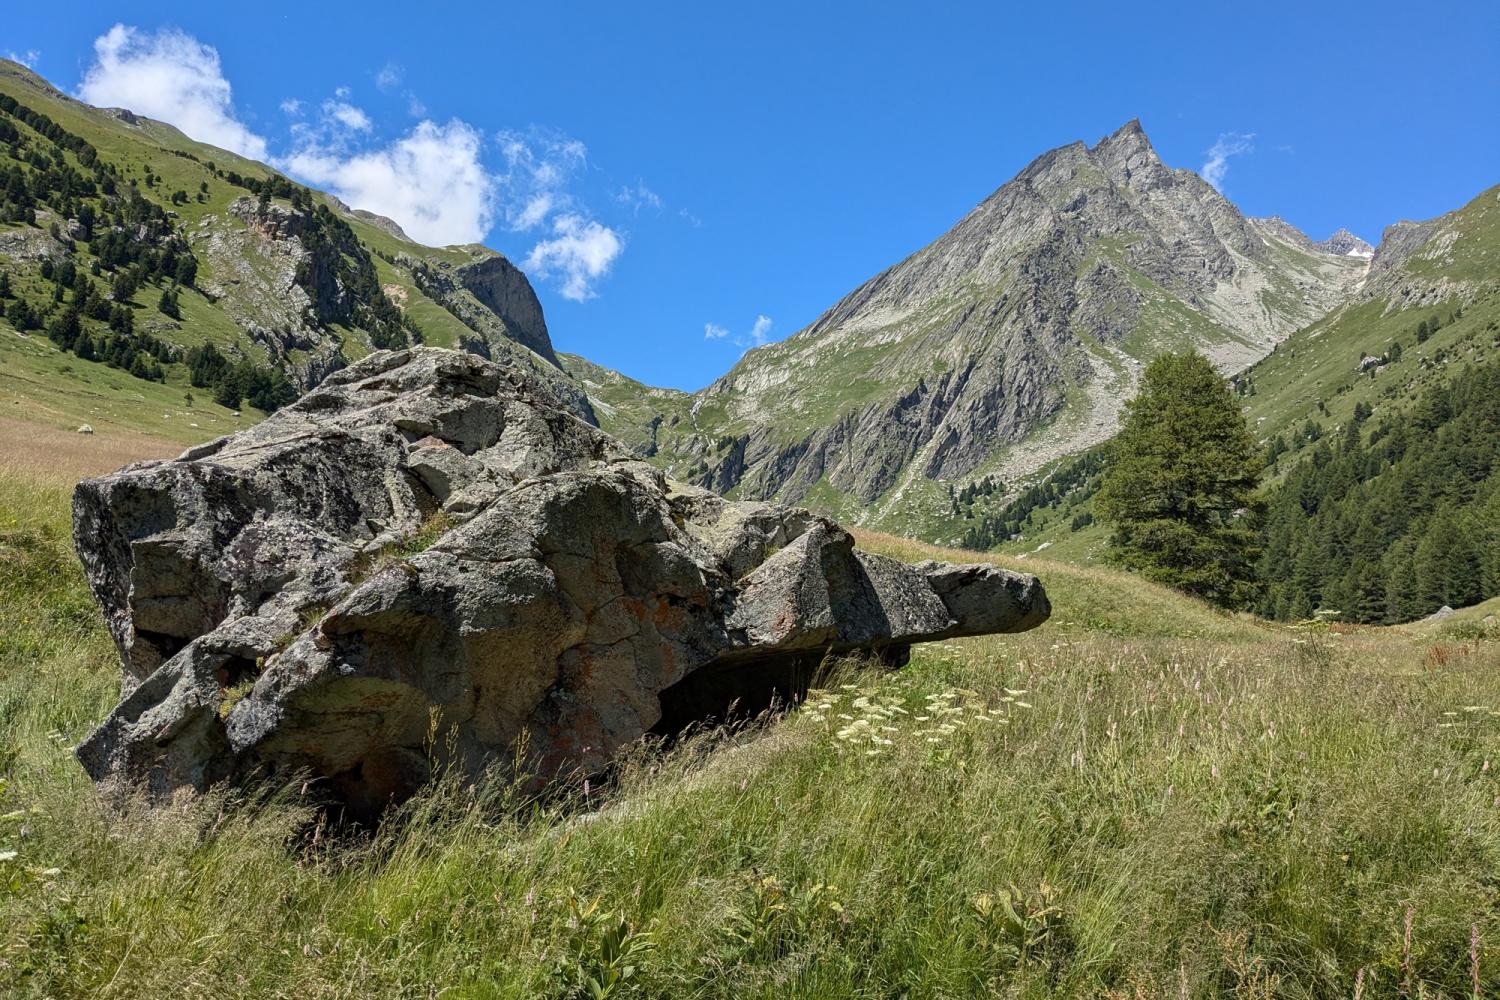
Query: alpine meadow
x=1095, y=596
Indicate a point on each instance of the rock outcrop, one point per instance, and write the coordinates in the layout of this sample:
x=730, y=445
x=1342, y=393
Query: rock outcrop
x=429, y=562
x=490, y=296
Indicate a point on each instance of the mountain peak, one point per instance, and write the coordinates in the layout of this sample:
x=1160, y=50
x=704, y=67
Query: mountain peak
x=1345, y=244
x=1131, y=134
x=1128, y=156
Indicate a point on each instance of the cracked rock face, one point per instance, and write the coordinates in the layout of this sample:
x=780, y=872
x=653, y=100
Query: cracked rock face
x=429, y=562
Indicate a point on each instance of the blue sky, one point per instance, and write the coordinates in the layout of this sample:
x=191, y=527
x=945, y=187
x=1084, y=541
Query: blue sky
x=685, y=180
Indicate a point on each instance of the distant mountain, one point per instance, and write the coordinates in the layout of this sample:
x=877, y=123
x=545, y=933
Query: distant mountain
x=129, y=244
x=1426, y=315
x=1341, y=244
x=1345, y=244
x=1008, y=343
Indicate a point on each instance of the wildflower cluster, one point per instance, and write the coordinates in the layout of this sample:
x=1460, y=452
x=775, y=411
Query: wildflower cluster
x=867, y=723
x=873, y=724
x=1468, y=715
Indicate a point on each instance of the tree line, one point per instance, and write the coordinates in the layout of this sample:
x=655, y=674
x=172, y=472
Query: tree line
x=1395, y=518
x=1379, y=521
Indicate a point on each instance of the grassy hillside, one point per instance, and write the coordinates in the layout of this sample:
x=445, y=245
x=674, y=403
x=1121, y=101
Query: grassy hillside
x=105, y=216
x=1144, y=797
x=632, y=411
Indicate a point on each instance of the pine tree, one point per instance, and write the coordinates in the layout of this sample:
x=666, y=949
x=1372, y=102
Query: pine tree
x=65, y=329
x=21, y=316
x=1180, y=492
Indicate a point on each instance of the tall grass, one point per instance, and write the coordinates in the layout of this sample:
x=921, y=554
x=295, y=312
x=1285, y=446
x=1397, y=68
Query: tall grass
x=1142, y=799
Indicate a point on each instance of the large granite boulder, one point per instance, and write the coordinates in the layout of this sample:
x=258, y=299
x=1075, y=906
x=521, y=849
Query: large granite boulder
x=427, y=562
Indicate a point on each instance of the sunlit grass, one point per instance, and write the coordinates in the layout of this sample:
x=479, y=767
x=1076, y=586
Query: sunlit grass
x=1142, y=798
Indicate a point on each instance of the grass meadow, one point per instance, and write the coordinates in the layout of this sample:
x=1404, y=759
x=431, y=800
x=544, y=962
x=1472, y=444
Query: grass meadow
x=1143, y=798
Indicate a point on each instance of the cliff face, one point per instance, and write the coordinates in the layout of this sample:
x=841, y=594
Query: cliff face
x=502, y=289
x=275, y=287
x=1036, y=308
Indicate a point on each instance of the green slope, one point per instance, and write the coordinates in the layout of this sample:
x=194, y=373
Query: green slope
x=200, y=202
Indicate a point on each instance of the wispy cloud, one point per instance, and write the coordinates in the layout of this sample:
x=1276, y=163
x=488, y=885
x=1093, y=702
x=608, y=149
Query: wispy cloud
x=171, y=76
x=580, y=251
x=539, y=166
x=346, y=115
x=29, y=58
x=638, y=196
x=1217, y=165
x=390, y=76
x=759, y=333
x=291, y=106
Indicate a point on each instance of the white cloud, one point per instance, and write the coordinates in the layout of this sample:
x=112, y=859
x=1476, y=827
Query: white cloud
x=170, y=76
x=535, y=211
x=29, y=58
x=390, y=76
x=1217, y=165
x=760, y=332
x=346, y=115
x=581, y=251
x=431, y=181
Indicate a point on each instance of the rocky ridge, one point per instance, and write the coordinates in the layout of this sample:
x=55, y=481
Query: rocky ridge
x=1048, y=295
x=428, y=562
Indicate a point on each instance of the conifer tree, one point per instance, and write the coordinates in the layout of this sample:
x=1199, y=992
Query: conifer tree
x=1180, y=493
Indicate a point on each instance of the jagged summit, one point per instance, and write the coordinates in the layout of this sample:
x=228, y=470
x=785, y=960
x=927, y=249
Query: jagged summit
x=1128, y=156
x=1341, y=244
x=1037, y=308
x=1346, y=244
